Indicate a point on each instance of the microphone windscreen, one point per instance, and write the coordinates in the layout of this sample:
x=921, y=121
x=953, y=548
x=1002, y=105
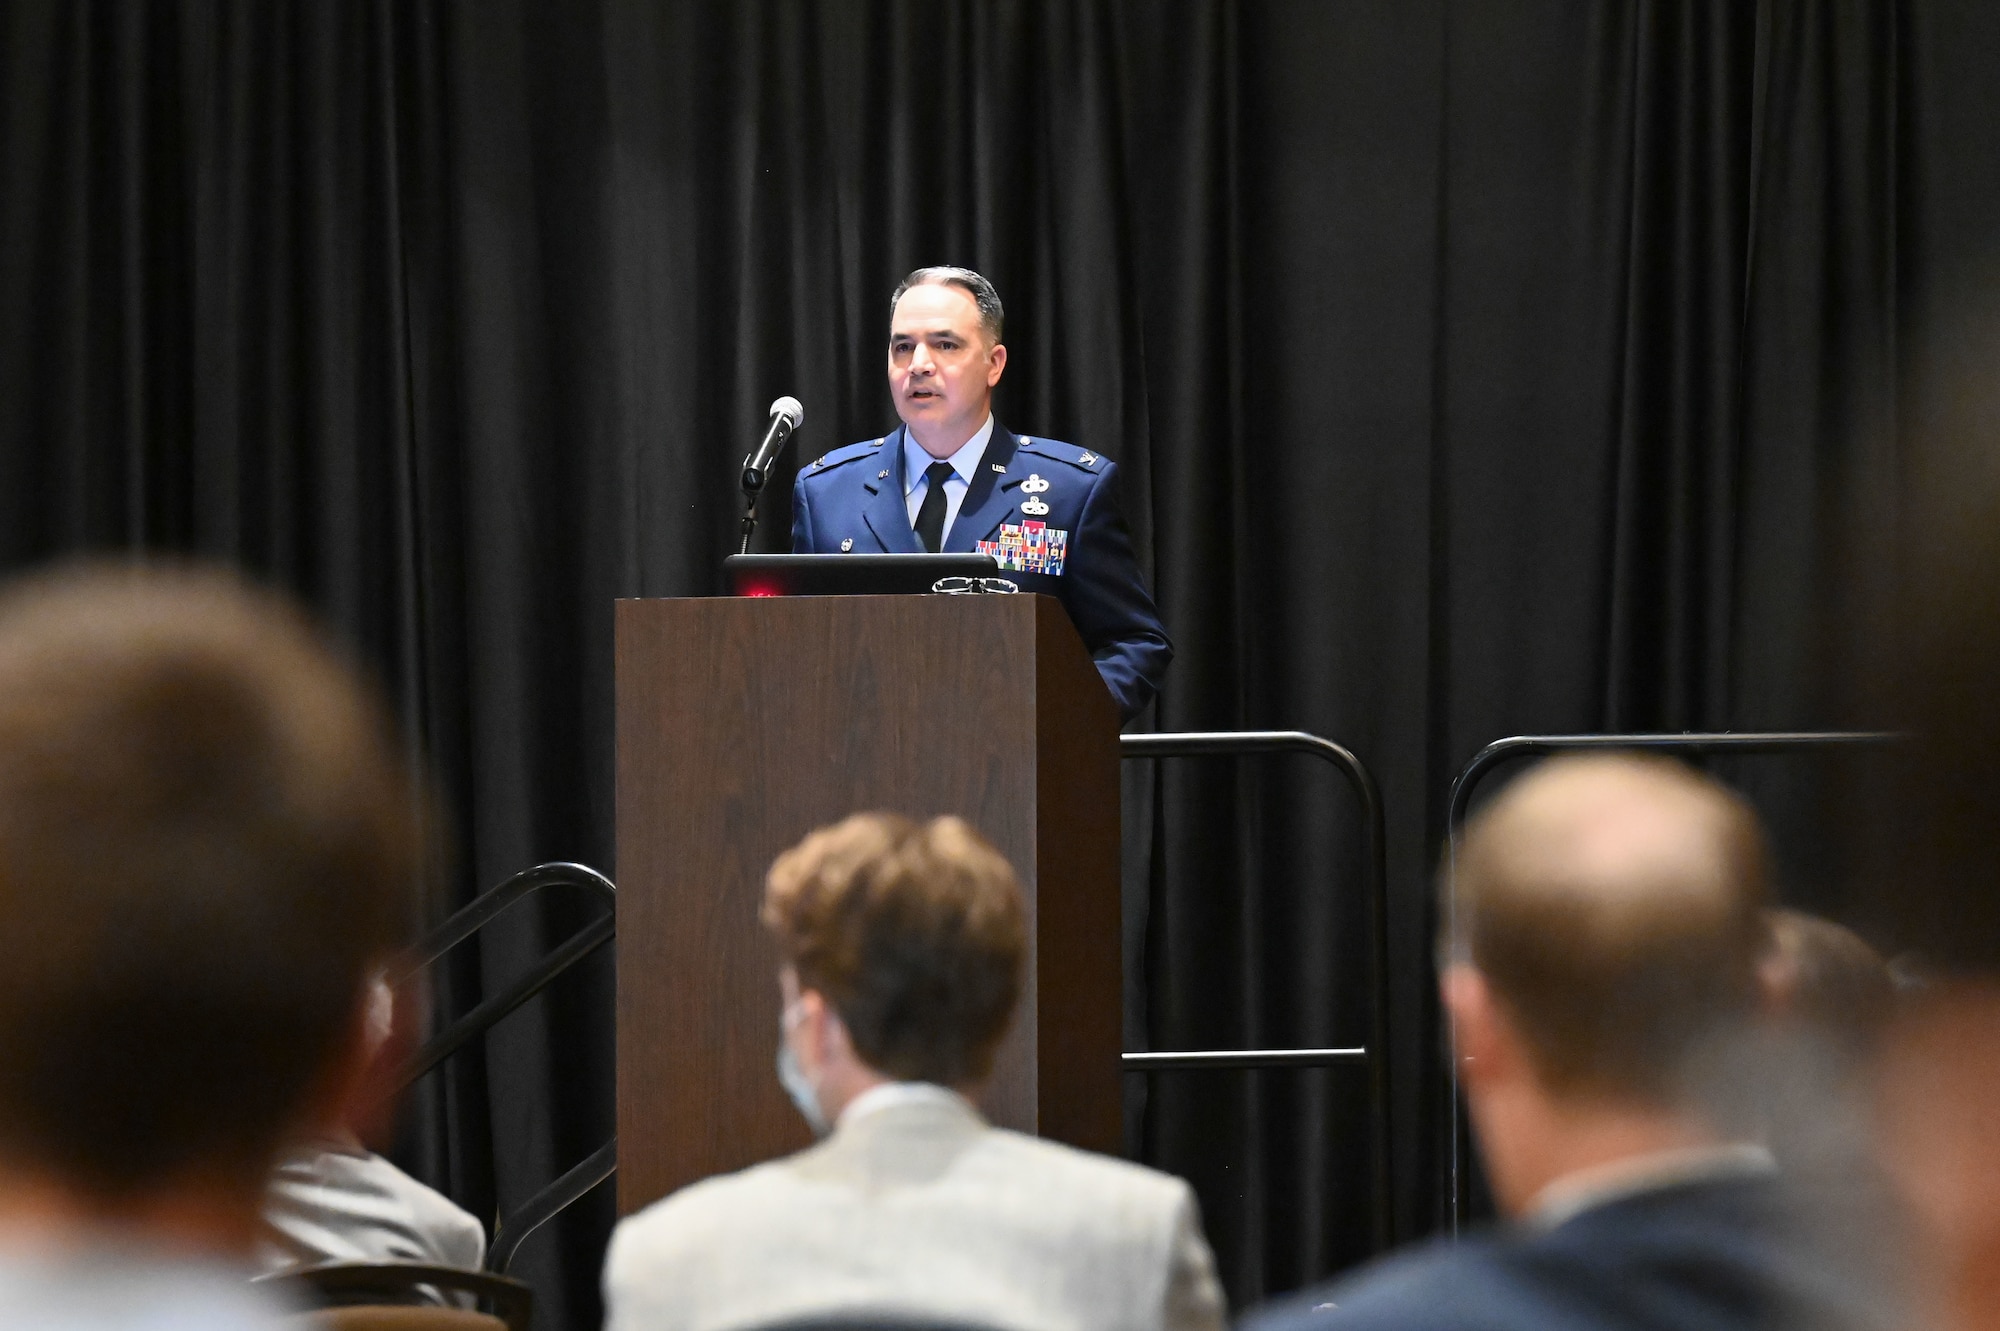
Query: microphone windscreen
x=790, y=409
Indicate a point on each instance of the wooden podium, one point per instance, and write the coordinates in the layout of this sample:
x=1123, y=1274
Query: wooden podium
x=745, y=723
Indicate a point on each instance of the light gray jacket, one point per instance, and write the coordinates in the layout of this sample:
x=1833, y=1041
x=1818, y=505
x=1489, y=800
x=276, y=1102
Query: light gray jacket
x=920, y=1209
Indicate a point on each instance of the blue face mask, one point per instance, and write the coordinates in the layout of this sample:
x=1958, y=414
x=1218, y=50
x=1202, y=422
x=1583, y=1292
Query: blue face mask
x=804, y=1095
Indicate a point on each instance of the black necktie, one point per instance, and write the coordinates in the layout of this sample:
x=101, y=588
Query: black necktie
x=930, y=514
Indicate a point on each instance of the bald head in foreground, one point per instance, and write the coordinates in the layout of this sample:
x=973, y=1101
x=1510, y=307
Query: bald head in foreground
x=207, y=848
x=901, y=946
x=1599, y=955
x=1603, y=934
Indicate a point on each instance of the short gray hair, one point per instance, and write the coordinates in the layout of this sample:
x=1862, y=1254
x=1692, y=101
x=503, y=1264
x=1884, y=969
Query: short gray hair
x=991, y=316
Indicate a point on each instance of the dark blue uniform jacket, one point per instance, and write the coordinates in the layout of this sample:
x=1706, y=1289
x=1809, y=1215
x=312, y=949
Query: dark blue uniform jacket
x=1047, y=511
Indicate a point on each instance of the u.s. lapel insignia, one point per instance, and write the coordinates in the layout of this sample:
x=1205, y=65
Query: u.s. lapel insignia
x=1002, y=470
x=846, y=544
x=1034, y=485
x=1088, y=459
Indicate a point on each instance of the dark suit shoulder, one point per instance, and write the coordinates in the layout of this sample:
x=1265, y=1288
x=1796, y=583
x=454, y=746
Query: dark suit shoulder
x=1707, y=1256
x=1055, y=450
x=1422, y=1288
x=842, y=456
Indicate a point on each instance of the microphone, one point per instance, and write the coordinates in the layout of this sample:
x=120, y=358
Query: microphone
x=786, y=416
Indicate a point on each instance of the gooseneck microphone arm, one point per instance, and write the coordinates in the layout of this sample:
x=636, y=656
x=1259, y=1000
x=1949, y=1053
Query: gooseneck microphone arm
x=786, y=416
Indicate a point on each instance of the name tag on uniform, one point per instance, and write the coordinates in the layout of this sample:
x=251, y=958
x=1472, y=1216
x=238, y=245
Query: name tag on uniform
x=1032, y=547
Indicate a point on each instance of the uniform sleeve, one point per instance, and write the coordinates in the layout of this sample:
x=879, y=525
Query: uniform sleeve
x=1110, y=605
x=801, y=516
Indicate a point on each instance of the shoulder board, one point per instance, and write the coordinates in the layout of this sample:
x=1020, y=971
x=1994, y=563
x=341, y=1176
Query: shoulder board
x=847, y=453
x=1078, y=457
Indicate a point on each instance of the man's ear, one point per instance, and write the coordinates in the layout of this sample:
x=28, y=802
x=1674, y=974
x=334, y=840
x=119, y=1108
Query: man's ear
x=828, y=1032
x=373, y=1113
x=356, y=1097
x=996, y=361
x=1482, y=1038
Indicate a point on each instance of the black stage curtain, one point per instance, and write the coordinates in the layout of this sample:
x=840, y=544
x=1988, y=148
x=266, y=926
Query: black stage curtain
x=1480, y=368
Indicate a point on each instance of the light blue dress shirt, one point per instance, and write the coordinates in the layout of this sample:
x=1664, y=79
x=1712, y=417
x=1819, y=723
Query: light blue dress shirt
x=963, y=463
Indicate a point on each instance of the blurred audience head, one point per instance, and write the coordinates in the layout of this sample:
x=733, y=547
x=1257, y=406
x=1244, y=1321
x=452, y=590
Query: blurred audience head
x=1603, y=928
x=1933, y=826
x=1826, y=981
x=1936, y=659
x=901, y=947
x=208, y=847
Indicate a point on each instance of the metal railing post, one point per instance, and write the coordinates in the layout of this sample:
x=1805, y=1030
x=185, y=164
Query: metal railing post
x=482, y=911
x=580, y=1178
x=513, y=1230
x=1374, y=859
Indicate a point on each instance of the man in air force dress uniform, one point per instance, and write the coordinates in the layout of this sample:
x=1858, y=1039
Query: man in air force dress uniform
x=952, y=479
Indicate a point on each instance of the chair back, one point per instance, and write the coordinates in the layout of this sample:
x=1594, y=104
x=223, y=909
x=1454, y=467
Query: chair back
x=871, y=1322
x=395, y=1317
x=395, y=1296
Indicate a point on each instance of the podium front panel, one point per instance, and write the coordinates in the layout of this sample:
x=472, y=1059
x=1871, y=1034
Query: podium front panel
x=743, y=724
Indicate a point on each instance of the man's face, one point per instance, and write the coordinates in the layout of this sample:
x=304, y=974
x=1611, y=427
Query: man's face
x=941, y=371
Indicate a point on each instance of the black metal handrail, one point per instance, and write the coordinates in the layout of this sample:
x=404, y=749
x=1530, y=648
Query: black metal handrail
x=1246, y=1058
x=1529, y=746
x=544, y=1206
x=1226, y=743
x=513, y=1230
x=482, y=911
